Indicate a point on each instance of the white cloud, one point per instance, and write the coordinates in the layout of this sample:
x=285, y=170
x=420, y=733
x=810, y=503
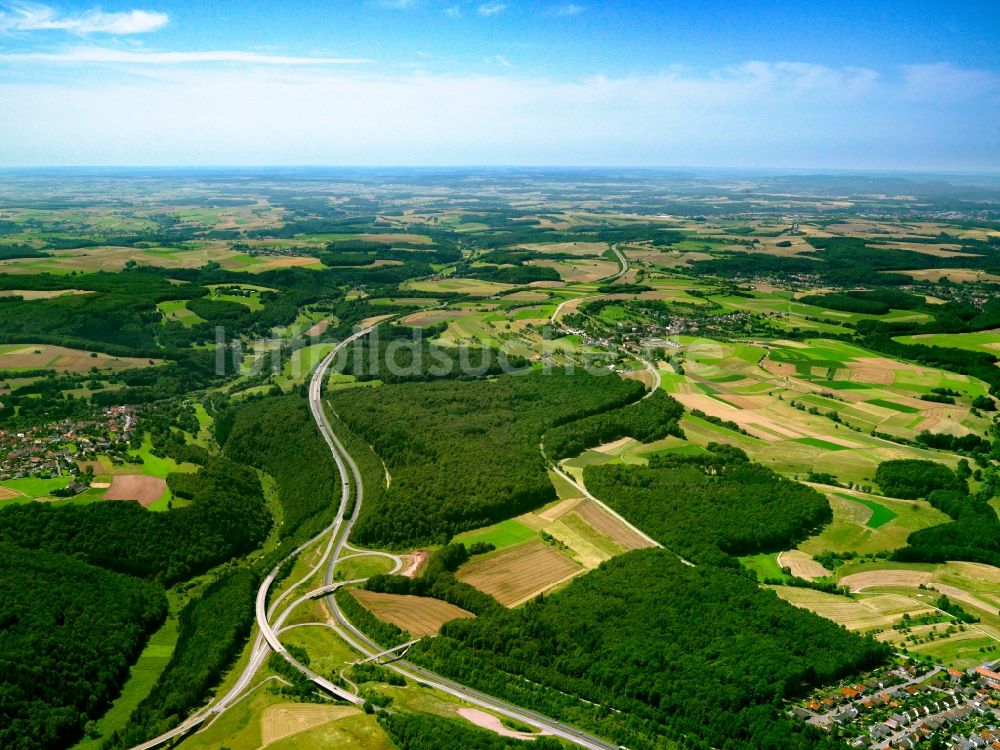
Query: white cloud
x=500, y=60
x=780, y=114
x=453, y=11
x=491, y=8
x=937, y=81
x=34, y=17
x=570, y=9
x=105, y=55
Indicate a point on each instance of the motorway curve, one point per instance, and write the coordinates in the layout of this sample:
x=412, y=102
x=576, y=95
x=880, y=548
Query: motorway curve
x=339, y=530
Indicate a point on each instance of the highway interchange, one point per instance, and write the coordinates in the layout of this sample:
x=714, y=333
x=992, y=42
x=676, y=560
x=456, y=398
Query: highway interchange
x=336, y=541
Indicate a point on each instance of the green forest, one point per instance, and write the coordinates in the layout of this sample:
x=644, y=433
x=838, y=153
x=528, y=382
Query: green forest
x=701, y=656
x=705, y=508
x=68, y=633
x=464, y=454
x=227, y=517
x=647, y=420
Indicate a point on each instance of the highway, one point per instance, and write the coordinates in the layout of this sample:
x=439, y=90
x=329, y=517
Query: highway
x=338, y=531
x=369, y=649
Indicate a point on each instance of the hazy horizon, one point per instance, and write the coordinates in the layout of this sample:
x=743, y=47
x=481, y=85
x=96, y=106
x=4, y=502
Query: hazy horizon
x=903, y=86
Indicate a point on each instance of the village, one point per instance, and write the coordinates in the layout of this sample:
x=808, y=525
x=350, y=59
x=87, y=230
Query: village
x=912, y=704
x=57, y=449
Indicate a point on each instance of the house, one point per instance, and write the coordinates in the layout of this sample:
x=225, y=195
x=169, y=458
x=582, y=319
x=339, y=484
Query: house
x=880, y=731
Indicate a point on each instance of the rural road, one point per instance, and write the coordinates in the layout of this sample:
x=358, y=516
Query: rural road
x=607, y=279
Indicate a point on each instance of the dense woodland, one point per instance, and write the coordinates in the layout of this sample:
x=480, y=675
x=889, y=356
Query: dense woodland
x=707, y=508
x=700, y=656
x=213, y=629
x=911, y=479
x=279, y=436
x=227, y=517
x=973, y=534
x=466, y=454
x=647, y=420
x=68, y=633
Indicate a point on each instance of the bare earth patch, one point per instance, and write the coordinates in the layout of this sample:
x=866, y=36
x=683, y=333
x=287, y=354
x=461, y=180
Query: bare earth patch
x=278, y=722
x=317, y=329
x=6, y=493
x=491, y=722
x=146, y=490
x=413, y=563
x=519, y=573
x=418, y=615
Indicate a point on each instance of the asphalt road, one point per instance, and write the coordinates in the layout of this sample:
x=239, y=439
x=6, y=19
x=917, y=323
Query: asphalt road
x=267, y=641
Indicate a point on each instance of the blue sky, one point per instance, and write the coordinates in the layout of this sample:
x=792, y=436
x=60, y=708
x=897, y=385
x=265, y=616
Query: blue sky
x=845, y=85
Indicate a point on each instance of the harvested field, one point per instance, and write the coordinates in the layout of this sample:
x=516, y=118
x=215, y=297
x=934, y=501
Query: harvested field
x=961, y=595
x=418, y=615
x=613, y=446
x=940, y=250
x=854, y=614
x=393, y=239
x=526, y=297
x=872, y=578
x=560, y=509
x=146, y=490
x=571, y=248
x=515, y=575
x=582, y=271
x=610, y=526
x=373, y=320
x=802, y=565
x=430, y=317
x=957, y=275
x=30, y=294
x=62, y=359
x=590, y=547
x=284, y=720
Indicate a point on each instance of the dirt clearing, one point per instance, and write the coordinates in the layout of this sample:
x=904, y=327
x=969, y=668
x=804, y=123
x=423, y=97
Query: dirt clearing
x=319, y=328
x=147, y=490
x=491, y=722
x=418, y=615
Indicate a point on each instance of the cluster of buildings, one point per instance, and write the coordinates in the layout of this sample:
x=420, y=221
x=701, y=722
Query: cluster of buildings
x=912, y=705
x=53, y=450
